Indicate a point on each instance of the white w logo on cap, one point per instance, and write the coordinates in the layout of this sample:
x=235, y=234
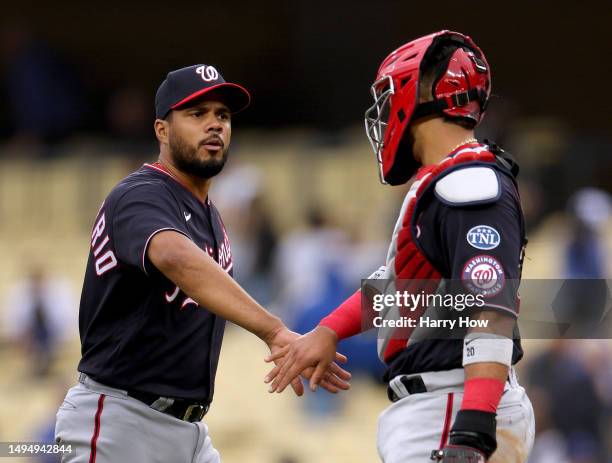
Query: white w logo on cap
x=207, y=73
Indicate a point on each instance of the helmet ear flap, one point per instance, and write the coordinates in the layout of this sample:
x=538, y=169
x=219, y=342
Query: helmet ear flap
x=439, y=72
x=460, y=82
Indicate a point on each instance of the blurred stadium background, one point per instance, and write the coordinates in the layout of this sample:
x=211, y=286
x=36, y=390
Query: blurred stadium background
x=300, y=195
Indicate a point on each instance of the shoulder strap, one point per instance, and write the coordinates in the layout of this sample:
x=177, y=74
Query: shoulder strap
x=503, y=159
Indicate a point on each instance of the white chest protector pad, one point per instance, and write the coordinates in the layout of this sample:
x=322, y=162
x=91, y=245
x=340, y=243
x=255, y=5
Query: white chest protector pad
x=469, y=186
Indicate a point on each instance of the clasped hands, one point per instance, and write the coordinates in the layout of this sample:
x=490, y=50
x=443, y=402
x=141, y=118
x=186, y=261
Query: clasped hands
x=312, y=356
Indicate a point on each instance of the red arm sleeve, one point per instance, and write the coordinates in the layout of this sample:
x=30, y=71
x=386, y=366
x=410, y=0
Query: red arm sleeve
x=345, y=320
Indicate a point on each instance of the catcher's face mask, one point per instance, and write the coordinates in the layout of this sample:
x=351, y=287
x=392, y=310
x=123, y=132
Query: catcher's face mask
x=377, y=117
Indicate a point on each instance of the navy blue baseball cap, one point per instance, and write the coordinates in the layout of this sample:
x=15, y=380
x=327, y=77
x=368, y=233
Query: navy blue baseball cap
x=187, y=84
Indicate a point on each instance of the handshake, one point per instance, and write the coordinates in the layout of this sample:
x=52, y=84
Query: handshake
x=312, y=356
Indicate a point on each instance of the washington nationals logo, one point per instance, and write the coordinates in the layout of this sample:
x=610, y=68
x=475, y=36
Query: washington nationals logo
x=208, y=73
x=483, y=275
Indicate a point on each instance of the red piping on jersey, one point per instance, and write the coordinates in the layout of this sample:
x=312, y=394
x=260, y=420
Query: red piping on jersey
x=96, y=433
x=447, y=420
x=160, y=168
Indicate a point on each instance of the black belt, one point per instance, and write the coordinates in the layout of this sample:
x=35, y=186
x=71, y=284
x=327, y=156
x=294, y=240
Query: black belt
x=178, y=408
x=414, y=385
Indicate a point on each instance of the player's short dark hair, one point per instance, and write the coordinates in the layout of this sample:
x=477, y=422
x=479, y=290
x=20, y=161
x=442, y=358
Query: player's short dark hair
x=432, y=68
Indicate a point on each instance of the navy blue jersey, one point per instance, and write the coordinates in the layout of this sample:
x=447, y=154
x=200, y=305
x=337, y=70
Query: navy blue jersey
x=138, y=330
x=466, y=242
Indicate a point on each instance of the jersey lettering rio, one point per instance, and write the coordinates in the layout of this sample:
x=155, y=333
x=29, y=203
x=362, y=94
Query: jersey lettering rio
x=104, y=256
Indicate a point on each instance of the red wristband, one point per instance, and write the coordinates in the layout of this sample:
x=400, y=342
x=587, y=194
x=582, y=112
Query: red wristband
x=482, y=394
x=345, y=320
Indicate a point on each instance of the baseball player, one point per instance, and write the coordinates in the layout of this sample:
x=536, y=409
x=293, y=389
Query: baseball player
x=454, y=398
x=158, y=290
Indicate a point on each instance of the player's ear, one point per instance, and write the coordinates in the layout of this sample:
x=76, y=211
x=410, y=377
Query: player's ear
x=161, y=128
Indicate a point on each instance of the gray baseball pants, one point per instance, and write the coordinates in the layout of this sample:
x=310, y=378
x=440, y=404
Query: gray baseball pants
x=105, y=425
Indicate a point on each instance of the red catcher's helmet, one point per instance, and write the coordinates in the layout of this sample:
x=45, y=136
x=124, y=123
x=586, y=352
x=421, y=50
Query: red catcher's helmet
x=461, y=88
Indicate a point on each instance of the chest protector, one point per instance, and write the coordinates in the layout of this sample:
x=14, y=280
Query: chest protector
x=408, y=268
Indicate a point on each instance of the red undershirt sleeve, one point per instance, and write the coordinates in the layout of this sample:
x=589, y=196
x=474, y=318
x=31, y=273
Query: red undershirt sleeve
x=345, y=320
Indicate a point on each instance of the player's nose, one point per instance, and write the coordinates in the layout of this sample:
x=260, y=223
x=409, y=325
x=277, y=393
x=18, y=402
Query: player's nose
x=213, y=124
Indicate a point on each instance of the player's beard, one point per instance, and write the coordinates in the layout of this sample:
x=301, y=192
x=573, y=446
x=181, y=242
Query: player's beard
x=186, y=158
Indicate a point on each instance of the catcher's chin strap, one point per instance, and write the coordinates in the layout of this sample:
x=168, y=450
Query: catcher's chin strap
x=452, y=101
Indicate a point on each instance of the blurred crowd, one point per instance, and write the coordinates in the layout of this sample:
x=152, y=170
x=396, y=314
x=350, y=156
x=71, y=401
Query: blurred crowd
x=570, y=387
x=47, y=100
